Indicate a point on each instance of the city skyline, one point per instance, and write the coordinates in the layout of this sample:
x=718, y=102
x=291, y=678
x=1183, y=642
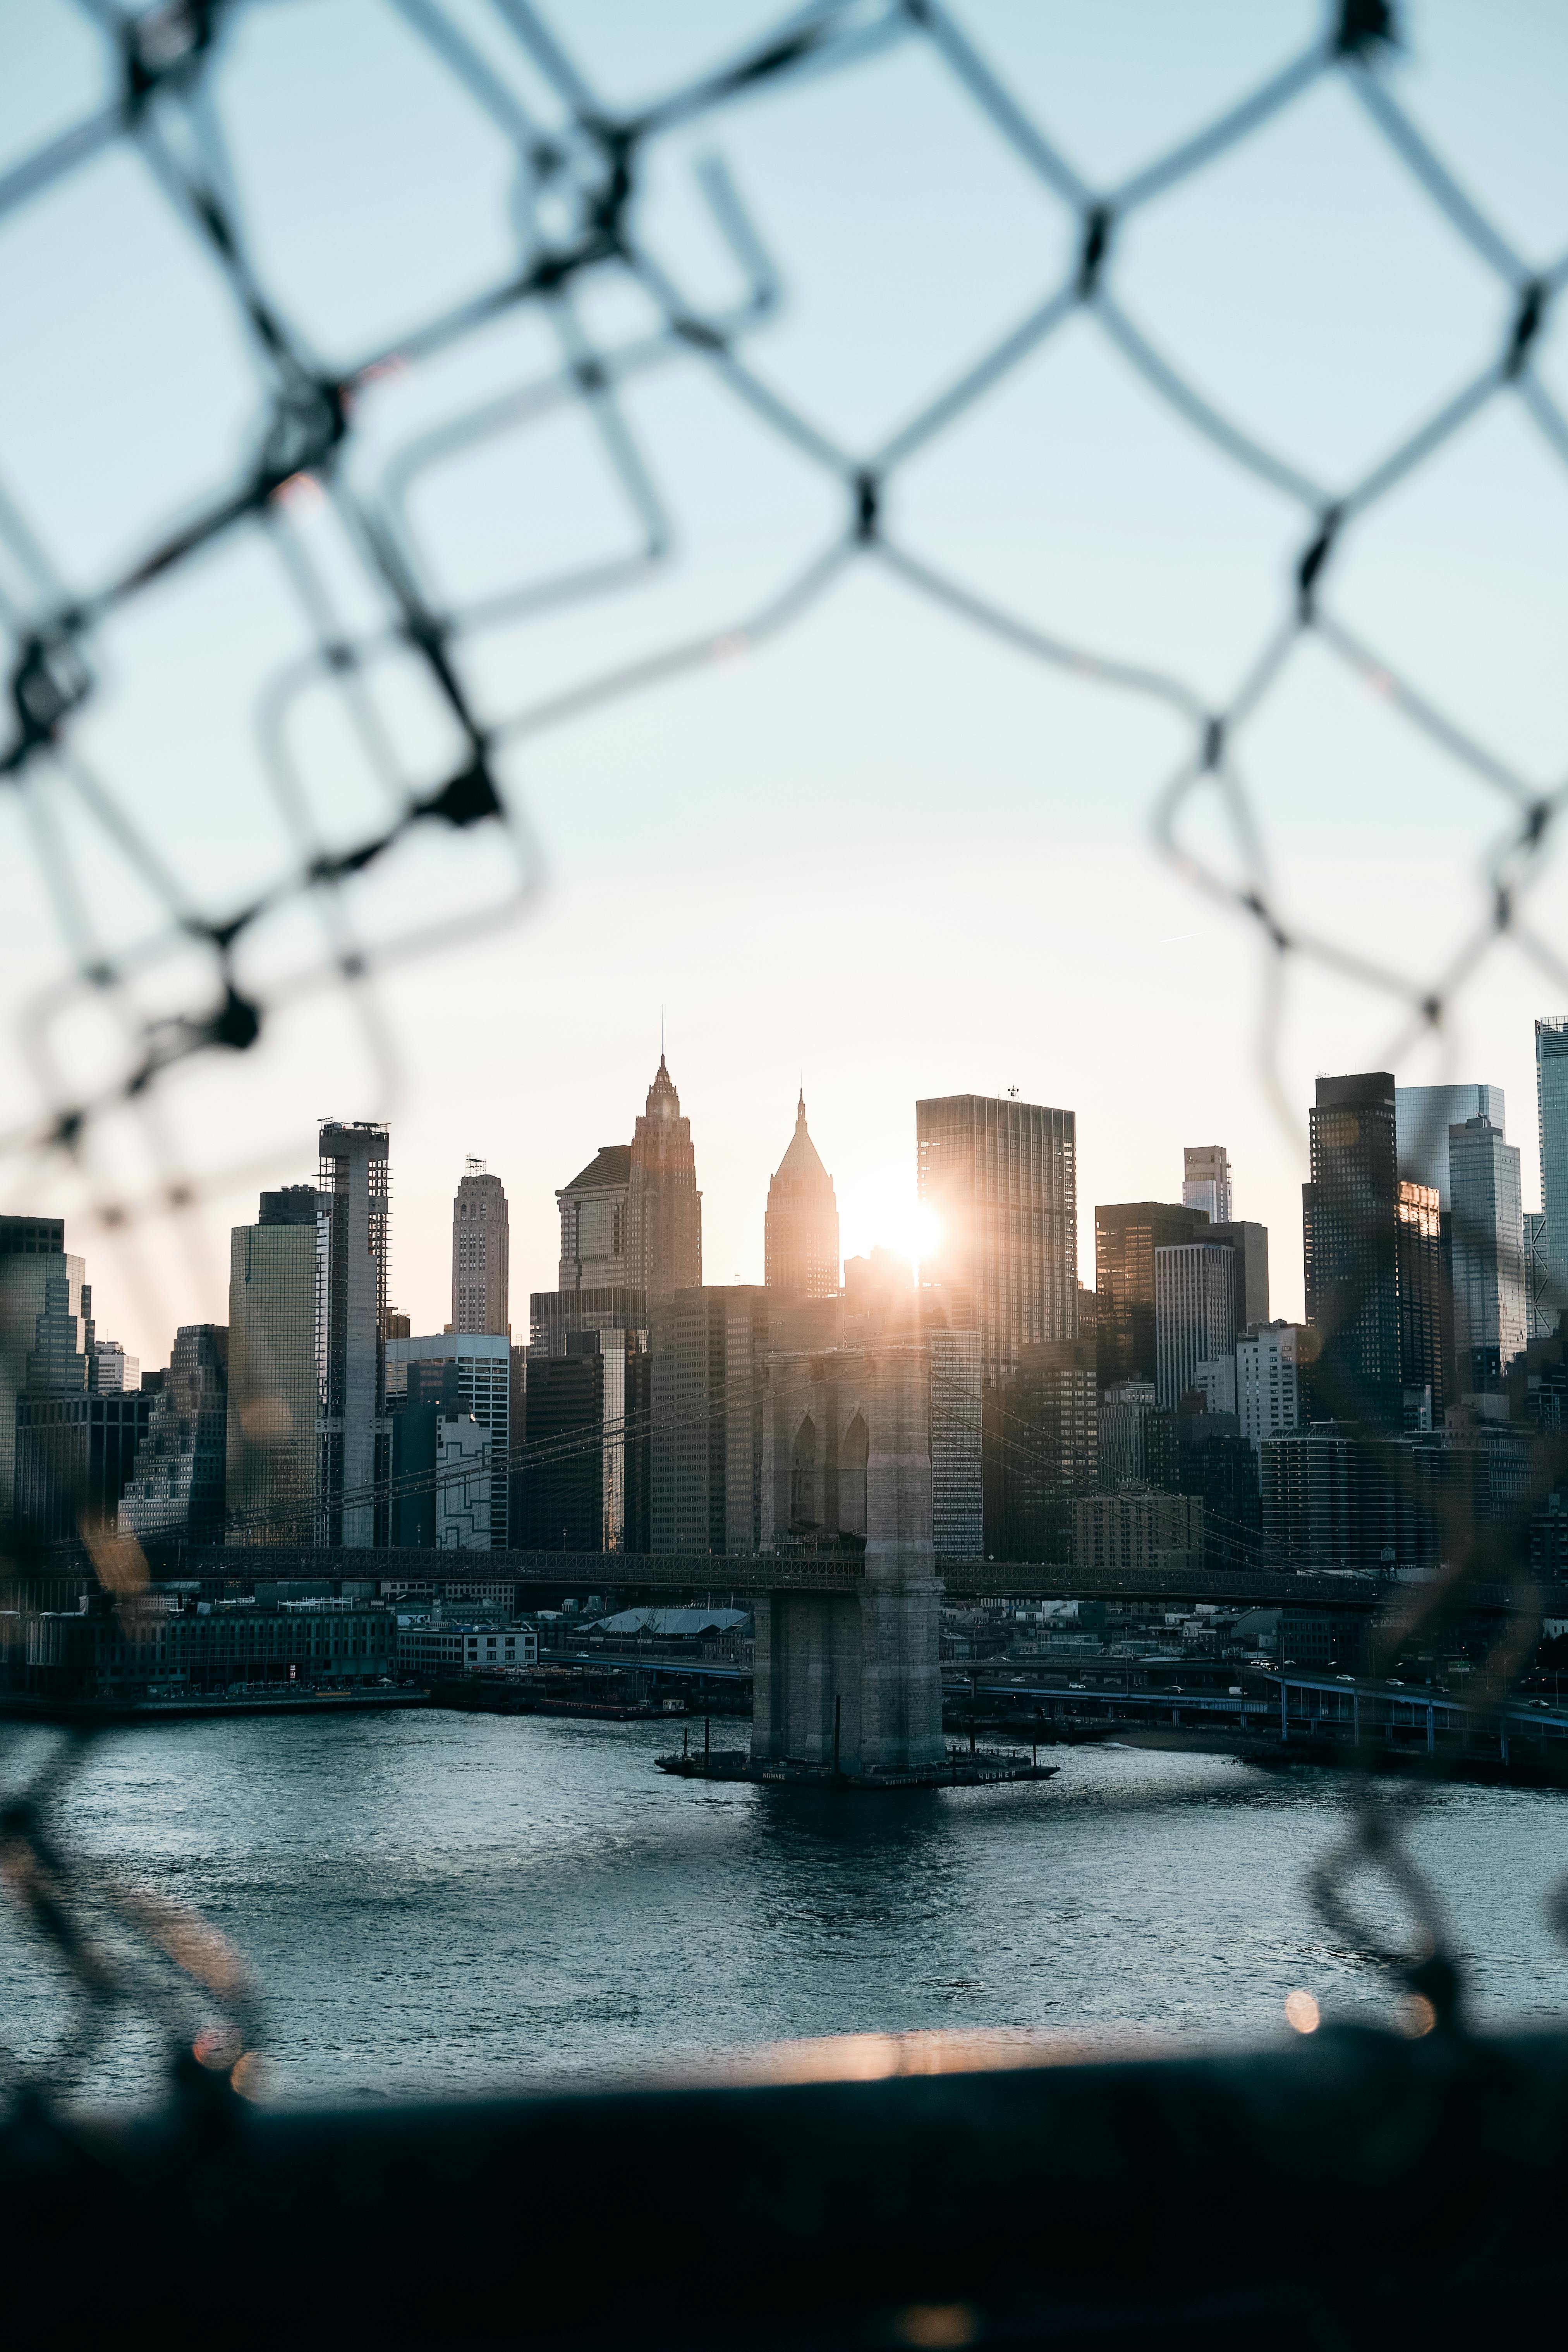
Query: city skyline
x=878, y=1200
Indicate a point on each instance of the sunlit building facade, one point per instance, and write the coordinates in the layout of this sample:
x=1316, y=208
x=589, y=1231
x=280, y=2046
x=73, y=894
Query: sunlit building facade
x=1000, y=1179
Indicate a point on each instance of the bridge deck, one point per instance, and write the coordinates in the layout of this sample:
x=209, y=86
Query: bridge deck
x=626, y=1574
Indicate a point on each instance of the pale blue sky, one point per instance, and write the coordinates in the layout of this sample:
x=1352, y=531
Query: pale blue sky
x=885, y=851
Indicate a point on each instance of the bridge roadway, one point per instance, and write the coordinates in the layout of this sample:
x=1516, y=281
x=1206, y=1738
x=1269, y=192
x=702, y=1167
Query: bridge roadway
x=629, y=1575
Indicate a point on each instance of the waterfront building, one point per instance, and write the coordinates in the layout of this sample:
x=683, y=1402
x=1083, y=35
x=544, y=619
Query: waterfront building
x=1422, y=1118
x=1349, y=1212
x=1138, y=1530
x=1124, y=1408
x=1215, y=1381
x=800, y=1228
x=1552, y=1108
x=664, y=1207
x=1270, y=1358
x=431, y=1650
x=1126, y=1234
x=1488, y=1243
x=1000, y=1178
x=1205, y=1181
x=1196, y=1313
x=481, y=1296
x=593, y=1224
x=1202, y=1453
x=1423, y=1266
x=275, y=1281
x=177, y=1487
x=208, y=1647
x=454, y=1371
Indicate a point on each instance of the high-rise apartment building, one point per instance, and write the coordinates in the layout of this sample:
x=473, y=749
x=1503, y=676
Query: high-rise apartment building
x=1552, y=1108
x=1422, y=1118
x=1426, y=1304
x=594, y=1222
x=1269, y=1381
x=481, y=1296
x=1196, y=1317
x=1350, y=1228
x=800, y=1229
x=177, y=1485
x=354, y=1182
x=1205, y=1181
x=1488, y=1240
x=1127, y=1233
x=664, y=1207
x=275, y=1284
x=1000, y=1178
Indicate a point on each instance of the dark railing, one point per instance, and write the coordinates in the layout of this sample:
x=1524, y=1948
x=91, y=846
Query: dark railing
x=1353, y=2188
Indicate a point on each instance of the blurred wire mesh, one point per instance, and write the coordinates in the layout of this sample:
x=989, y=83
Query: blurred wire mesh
x=385, y=748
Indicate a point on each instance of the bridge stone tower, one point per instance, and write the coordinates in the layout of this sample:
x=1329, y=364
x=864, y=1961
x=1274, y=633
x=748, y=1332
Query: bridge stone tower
x=850, y=1674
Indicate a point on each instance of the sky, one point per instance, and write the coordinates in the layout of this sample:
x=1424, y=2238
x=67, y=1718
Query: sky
x=881, y=854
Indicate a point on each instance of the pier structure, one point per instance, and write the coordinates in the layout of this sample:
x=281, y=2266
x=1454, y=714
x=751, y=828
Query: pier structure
x=848, y=1681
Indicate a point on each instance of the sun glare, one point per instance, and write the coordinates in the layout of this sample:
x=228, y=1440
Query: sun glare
x=885, y=1216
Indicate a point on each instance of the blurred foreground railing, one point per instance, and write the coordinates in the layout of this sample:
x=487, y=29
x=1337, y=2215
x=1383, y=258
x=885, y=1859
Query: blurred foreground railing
x=1346, y=2188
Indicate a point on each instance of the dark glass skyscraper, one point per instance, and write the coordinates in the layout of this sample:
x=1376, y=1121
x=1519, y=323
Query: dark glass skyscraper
x=1350, y=1235
x=1126, y=1236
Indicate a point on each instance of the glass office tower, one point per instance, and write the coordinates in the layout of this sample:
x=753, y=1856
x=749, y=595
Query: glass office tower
x=1551, y=1103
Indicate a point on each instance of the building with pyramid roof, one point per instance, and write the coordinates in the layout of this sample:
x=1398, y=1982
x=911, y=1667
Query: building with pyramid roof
x=664, y=1207
x=800, y=1232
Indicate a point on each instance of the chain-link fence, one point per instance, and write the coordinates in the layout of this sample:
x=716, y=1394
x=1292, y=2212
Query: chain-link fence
x=348, y=884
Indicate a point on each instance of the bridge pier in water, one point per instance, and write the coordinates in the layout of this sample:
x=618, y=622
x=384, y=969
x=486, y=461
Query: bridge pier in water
x=848, y=1680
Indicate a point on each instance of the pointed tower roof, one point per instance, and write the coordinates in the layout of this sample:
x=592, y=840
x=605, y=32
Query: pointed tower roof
x=802, y=1163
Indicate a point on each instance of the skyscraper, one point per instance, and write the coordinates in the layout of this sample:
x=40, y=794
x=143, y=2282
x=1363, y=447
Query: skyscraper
x=355, y=1185
x=1426, y=1304
x=1196, y=1299
x=594, y=1222
x=480, y=1290
x=1127, y=1233
x=275, y=1281
x=1422, y=1118
x=800, y=1230
x=1001, y=1180
x=31, y=1250
x=1348, y=1213
x=73, y=1448
x=664, y=1207
x=1551, y=1105
x=1489, y=1304
x=1205, y=1181
x=177, y=1485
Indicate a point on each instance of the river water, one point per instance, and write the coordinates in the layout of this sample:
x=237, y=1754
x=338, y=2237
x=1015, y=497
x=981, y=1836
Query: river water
x=437, y=1902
